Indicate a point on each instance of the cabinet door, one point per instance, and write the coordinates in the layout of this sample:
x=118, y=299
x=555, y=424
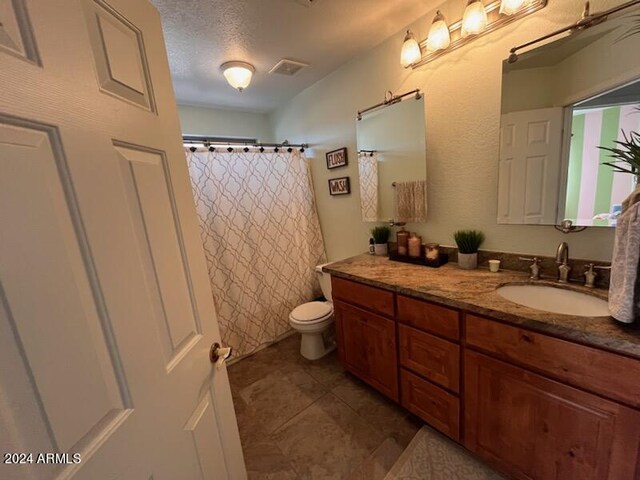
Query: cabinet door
x=535, y=428
x=367, y=347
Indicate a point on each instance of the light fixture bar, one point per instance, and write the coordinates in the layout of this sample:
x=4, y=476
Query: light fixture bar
x=390, y=99
x=496, y=21
x=587, y=20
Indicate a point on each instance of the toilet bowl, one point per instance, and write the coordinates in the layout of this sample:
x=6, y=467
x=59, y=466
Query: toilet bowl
x=314, y=320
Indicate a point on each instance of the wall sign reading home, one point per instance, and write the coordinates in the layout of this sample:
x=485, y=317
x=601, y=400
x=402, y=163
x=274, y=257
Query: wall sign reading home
x=337, y=158
x=339, y=186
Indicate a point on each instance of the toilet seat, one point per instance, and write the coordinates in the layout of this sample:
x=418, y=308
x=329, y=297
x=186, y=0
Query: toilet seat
x=311, y=312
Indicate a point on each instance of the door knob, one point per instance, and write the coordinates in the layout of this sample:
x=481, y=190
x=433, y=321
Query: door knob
x=218, y=354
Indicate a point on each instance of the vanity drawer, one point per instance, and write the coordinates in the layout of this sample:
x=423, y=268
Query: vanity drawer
x=434, y=358
x=438, y=408
x=372, y=298
x=586, y=367
x=431, y=318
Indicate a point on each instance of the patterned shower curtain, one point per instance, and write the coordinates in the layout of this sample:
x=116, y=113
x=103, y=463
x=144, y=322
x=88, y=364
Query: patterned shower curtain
x=261, y=238
x=368, y=175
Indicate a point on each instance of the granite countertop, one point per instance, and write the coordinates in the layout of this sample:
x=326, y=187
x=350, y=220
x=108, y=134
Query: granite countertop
x=475, y=291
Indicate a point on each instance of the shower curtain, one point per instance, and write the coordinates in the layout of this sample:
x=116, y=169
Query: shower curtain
x=261, y=238
x=368, y=174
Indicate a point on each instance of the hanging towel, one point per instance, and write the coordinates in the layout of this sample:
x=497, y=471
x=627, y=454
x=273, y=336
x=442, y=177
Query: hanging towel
x=624, y=287
x=411, y=201
x=631, y=199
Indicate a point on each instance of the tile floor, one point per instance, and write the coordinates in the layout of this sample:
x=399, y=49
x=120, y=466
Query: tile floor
x=312, y=420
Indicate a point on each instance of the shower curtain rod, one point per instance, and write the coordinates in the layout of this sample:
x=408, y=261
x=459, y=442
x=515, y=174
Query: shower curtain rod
x=368, y=152
x=217, y=142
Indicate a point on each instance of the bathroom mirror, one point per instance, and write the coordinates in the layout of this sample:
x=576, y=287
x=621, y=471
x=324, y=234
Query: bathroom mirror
x=560, y=102
x=392, y=157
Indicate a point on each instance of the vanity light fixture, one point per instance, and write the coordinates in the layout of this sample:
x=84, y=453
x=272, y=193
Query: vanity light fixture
x=238, y=74
x=478, y=20
x=474, y=20
x=410, y=50
x=439, y=37
x=509, y=7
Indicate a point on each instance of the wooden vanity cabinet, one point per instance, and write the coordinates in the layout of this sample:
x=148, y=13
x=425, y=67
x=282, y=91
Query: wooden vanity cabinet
x=366, y=334
x=536, y=428
x=367, y=344
x=534, y=406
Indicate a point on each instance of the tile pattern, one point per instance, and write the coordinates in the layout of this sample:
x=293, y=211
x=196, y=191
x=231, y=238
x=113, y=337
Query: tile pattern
x=475, y=291
x=311, y=420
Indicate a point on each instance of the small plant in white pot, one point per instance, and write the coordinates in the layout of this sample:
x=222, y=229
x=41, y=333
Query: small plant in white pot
x=468, y=242
x=380, y=236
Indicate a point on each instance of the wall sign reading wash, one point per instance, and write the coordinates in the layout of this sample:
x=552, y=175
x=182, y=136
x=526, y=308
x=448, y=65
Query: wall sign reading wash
x=339, y=186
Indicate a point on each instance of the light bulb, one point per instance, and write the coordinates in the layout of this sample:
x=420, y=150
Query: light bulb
x=509, y=7
x=238, y=74
x=410, y=53
x=474, y=20
x=439, y=37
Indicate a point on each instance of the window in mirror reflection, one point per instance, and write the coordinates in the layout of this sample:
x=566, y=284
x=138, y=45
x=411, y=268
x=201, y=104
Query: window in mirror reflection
x=595, y=191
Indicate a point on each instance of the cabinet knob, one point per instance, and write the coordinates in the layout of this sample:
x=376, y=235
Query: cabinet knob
x=527, y=338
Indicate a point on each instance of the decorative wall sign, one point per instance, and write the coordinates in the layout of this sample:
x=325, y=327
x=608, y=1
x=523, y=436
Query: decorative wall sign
x=337, y=158
x=339, y=186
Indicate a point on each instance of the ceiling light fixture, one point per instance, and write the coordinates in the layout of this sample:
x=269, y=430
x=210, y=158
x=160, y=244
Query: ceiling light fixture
x=474, y=20
x=410, y=50
x=238, y=74
x=509, y=7
x=439, y=37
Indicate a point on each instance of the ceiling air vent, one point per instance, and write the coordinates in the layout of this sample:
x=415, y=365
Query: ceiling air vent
x=288, y=67
x=307, y=3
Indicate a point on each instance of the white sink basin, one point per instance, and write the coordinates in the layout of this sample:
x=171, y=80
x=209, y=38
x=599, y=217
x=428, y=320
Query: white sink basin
x=556, y=300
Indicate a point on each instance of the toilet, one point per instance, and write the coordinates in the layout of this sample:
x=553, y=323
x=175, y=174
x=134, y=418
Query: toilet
x=313, y=320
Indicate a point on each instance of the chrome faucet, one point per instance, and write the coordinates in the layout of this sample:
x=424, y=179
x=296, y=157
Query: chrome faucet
x=590, y=275
x=534, y=267
x=562, y=259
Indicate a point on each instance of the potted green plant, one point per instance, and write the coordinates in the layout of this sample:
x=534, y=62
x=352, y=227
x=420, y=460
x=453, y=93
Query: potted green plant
x=626, y=156
x=468, y=242
x=380, y=236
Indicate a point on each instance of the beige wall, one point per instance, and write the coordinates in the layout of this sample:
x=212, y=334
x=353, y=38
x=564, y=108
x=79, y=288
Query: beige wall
x=582, y=74
x=462, y=107
x=224, y=123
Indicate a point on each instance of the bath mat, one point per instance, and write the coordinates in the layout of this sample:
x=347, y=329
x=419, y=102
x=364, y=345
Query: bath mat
x=432, y=456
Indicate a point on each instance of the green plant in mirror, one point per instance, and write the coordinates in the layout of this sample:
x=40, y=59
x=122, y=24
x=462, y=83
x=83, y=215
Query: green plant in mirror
x=380, y=234
x=468, y=241
x=627, y=155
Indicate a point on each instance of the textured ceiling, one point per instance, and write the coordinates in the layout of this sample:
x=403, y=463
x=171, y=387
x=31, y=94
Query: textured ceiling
x=202, y=34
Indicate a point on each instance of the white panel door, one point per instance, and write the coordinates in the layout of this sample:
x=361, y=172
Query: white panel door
x=529, y=167
x=106, y=313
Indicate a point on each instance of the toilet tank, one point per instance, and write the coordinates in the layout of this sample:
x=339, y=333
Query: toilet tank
x=325, y=281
